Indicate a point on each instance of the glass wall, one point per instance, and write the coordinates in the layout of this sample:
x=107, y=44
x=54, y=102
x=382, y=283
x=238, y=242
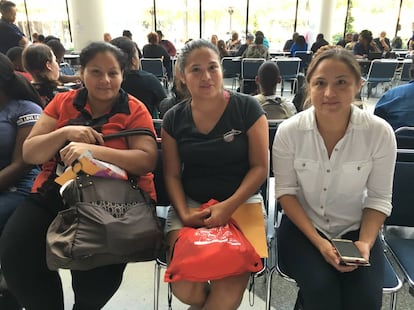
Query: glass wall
x=275, y=18
x=379, y=17
x=180, y=19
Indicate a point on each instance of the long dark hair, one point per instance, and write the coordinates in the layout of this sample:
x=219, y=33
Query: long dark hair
x=14, y=85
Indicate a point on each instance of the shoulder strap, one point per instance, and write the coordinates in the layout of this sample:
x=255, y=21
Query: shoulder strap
x=276, y=100
x=130, y=132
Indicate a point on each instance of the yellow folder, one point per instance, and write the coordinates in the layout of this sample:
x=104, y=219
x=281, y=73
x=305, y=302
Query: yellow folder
x=250, y=219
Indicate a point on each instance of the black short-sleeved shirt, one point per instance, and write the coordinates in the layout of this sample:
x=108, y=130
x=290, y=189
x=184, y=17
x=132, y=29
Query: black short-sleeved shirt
x=214, y=164
x=145, y=87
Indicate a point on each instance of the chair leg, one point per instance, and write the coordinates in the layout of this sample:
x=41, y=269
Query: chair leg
x=269, y=287
x=157, y=272
x=393, y=302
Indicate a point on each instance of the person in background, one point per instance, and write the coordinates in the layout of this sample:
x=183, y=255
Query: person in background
x=299, y=45
x=39, y=60
x=71, y=124
x=256, y=50
x=320, y=41
x=289, y=43
x=234, y=43
x=67, y=74
x=128, y=34
x=10, y=34
x=198, y=165
x=15, y=56
x=154, y=50
x=396, y=105
x=334, y=167
x=350, y=45
x=221, y=46
x=166, y=44
x=243, y=47
x=20, y=108
x=265, y=40
x=214, y=39
x=383, y=43
x=345, y=40
x=141, y=84
x=268, y=76
x=365, y=45
x=396, y=42
x=107, y=37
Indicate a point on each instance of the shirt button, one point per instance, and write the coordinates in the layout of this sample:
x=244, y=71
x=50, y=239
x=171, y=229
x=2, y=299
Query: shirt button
x=324, y=189
x=303, y=165
x=327, y=220
x=321, y=207
x=336, y=150
x=328, y=170
x=358, y=168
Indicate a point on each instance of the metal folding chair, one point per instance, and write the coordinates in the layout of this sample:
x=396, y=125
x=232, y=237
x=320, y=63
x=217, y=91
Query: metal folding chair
x=380, y=71
x=231, y=69
x=402, y=217
x=405, y=71
x=289, y=71
x=249, y=68
x=156, y=67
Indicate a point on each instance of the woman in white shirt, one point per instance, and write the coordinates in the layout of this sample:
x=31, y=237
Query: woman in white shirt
x=333, y=166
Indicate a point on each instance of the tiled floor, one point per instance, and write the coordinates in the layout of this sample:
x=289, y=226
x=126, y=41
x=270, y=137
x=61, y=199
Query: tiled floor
x=136, y=291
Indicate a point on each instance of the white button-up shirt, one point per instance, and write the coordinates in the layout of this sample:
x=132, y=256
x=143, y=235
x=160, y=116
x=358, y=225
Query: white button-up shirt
x=334, y=191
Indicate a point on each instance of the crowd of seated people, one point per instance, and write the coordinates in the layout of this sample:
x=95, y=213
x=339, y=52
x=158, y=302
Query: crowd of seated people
x=39, y=62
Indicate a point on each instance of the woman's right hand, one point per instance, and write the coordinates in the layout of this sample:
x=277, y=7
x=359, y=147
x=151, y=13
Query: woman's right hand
x=83, y=134
x=331, y=256
x=195, y=217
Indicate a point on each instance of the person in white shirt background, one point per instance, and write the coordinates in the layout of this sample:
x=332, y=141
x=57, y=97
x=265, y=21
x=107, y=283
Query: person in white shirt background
x=333, y=166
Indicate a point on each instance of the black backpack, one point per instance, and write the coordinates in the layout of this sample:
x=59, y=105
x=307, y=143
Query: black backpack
x=274, y=109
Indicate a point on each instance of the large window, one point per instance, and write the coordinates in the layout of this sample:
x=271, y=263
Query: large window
x=180, y=19
x=379, y=17
x=275, y=18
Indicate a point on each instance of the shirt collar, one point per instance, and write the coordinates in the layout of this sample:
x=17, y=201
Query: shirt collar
x=357, y=120
x=121, y=105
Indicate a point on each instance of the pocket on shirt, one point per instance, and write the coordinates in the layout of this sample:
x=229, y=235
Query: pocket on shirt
x=307, y=172
x=353, y=176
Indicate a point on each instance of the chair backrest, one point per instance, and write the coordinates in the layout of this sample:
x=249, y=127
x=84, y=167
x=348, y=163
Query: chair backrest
x=382, y=70
x=306, y=57
x=153, y=65
x=405, y=137
x=249, y=67
x=231, y=67
x=289, y=67
x=274, y=109
x=405, y=71
x=403, y=195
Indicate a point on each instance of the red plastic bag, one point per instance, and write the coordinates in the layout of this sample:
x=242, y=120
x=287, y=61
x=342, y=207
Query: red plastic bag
x=203, y=254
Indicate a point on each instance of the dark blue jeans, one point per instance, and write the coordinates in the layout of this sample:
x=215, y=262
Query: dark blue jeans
x=321, y=285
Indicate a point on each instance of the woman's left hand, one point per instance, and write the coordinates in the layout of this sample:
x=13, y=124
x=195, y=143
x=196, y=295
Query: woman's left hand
x=219, y=216
x=72, y=151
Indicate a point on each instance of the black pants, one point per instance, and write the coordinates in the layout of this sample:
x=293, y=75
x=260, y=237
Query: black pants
x=23, y=260
x=321, y=285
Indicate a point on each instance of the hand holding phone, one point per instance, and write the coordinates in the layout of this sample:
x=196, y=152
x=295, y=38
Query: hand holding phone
x=349, y=253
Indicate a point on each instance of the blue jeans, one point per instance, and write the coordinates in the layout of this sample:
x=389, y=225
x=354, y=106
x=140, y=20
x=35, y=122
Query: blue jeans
x=15, y=195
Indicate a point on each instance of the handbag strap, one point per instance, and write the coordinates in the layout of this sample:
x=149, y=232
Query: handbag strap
x=130, y=132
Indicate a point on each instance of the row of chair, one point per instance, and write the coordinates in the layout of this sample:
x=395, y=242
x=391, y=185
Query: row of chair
x=402, y=249
x=245, y=70
x=388, y=71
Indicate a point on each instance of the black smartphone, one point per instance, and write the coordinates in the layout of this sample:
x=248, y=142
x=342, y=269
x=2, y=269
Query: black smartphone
x=349, y=253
